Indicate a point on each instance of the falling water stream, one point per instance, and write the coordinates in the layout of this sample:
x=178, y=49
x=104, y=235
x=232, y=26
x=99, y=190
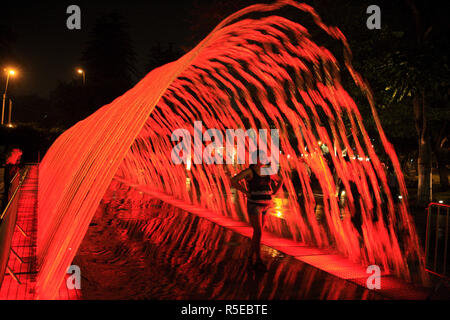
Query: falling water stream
x=264, y=67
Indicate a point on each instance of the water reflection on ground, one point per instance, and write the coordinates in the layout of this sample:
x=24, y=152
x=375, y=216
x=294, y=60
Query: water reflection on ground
x=142, y=248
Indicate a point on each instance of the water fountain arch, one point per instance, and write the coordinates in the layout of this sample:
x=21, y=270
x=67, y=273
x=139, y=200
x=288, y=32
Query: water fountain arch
x=250, y=72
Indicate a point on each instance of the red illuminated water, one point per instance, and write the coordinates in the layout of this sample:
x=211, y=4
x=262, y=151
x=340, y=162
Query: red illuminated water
x=138, y=247
x=269, y=73
x=259, y=70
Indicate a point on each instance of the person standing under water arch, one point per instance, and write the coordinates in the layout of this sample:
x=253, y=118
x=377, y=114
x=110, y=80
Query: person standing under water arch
x=259, y=192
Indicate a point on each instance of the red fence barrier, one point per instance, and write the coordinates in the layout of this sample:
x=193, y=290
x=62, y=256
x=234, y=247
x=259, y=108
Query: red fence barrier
x=8, y=221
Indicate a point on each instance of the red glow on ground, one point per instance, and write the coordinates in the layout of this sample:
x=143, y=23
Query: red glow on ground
x=323, y=259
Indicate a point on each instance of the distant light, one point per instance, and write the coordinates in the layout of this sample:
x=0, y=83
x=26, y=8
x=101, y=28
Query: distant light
x=400, y=197
x=440, y=201
x=367, y=159
x=10, y=71
x=188, y=164
x=80, y=71
x=288, y=156
x=279, y=214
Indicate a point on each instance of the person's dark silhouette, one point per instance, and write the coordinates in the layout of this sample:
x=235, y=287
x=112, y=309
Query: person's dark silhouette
x=259, y=200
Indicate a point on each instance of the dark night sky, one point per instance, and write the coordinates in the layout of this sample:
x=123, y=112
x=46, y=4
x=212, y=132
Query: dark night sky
x=48, y=51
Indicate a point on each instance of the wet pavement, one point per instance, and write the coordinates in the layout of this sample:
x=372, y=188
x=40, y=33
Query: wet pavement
x=141, y=248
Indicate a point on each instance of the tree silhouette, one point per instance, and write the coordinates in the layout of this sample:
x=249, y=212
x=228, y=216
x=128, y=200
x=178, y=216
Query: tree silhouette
x=159, y=55
x=406, y=64
x=109, y=64
x=7, y=40
x=109, y=59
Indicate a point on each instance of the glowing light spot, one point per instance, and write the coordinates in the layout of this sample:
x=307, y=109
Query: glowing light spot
x=188, y=164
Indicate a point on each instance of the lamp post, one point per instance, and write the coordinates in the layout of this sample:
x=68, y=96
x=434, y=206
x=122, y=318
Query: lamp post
x=9, y=114
x=9, y=73
x=83, y=74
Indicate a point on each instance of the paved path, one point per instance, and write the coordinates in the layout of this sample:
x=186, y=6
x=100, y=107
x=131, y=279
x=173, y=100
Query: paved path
x=24, y=244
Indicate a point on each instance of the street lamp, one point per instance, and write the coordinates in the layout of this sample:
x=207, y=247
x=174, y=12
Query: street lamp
x=9, y=72
x=81, y=71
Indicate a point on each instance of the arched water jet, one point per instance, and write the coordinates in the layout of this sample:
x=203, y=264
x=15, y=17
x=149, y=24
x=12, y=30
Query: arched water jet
x=264, y=72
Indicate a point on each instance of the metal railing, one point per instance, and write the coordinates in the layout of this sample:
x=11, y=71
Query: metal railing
x=8, y=220
x=436, y=243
